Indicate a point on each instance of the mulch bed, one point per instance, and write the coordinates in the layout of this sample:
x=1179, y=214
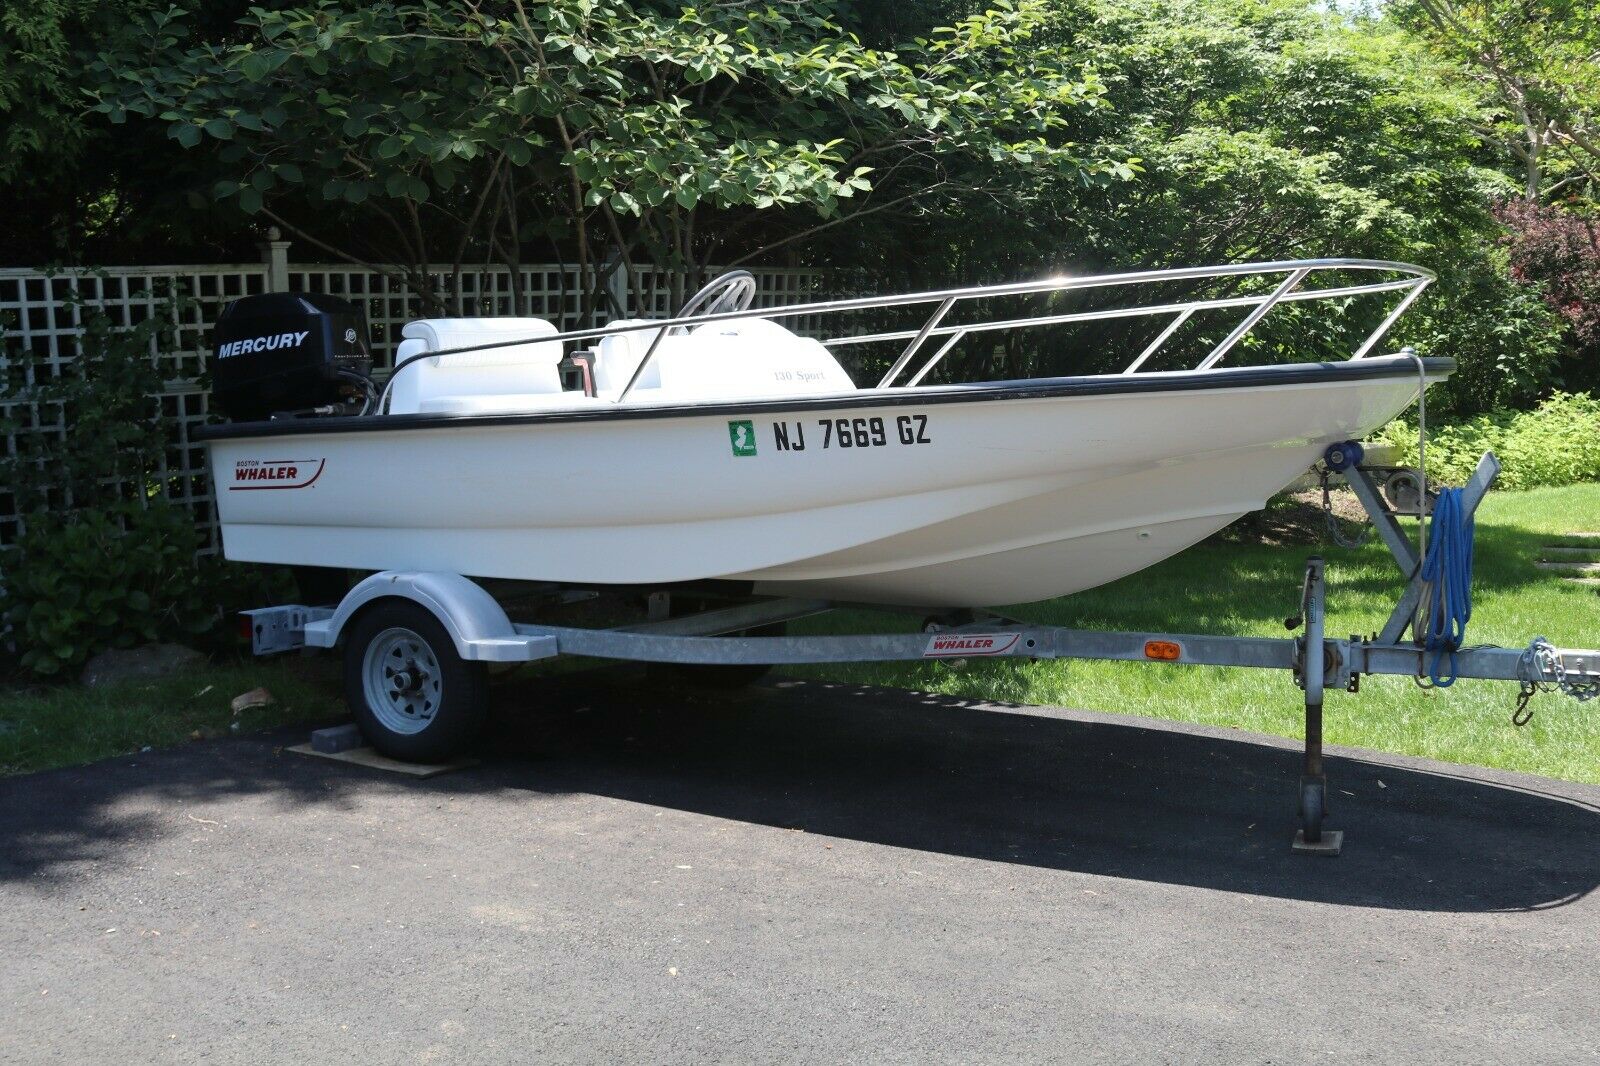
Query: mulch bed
x=1295, y=518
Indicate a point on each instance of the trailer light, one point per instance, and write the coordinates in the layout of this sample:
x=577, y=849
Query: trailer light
x=247, y=626
x=1165, y=650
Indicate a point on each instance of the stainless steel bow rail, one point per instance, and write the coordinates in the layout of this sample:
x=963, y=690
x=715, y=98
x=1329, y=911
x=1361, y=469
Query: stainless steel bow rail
x=737, y=290
x=480, y=630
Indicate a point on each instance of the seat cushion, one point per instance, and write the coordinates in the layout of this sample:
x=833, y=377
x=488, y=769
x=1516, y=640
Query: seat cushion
x=516, y=369
x=442, y=333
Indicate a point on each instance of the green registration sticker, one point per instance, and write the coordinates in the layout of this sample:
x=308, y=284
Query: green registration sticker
x=743, y=437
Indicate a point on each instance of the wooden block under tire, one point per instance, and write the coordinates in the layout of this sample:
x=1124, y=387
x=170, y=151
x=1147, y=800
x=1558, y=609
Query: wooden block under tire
x=365, y=756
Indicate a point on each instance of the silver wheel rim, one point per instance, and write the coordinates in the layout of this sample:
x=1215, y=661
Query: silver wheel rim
x=402, y=682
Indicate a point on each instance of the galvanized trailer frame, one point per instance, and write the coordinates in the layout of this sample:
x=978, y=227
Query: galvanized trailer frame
x=481, y=631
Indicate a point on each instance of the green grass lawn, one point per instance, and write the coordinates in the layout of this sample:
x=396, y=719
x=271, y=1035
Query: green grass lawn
x=65, y=725
x=1213, y=588
x=1249, y=590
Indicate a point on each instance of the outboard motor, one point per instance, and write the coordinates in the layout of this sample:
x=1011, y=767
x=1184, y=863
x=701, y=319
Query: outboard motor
x=290, y=354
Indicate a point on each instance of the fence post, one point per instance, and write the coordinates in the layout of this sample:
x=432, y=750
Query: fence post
x=275, y=253
x=618, y=284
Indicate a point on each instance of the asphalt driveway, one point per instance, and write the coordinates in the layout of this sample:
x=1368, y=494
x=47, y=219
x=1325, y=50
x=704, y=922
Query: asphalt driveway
x=798, y=873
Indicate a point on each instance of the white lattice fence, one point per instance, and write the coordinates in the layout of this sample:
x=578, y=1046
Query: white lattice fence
x=547, y=291
x=43, y=315
x=38, y=315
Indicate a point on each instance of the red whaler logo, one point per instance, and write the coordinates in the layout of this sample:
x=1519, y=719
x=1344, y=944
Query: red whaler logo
x=275, y=473
x=961, y=645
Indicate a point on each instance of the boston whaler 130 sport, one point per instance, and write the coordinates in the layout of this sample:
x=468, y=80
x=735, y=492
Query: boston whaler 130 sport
x=722, y=446
x=717, y=475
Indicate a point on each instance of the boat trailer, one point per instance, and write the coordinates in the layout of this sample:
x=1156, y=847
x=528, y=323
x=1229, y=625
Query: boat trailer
x=480, y=630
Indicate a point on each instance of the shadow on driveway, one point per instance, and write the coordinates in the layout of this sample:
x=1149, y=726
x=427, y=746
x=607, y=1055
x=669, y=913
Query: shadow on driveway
x=1106, y=795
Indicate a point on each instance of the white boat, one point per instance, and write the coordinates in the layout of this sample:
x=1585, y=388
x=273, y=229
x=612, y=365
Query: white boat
x=719, y=446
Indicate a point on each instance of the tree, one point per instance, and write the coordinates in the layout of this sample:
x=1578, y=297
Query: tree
x=1557, y=253
x=629, y=135
x=601, y=132
x=1538, y=64
x=1263, y=130
x=79, y=189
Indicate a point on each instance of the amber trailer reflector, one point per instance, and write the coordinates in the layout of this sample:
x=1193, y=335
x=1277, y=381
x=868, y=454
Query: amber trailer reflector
x=1166, y=650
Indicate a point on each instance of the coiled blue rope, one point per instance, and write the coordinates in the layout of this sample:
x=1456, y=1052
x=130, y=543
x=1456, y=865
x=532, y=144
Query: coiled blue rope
x=1448, y=570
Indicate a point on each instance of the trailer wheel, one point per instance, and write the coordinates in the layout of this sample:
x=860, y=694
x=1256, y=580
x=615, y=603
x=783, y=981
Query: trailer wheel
x=413, y=696
x=725, y=678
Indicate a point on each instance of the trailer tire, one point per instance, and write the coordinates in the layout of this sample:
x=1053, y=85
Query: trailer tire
x=413, y=696
x=722, y=677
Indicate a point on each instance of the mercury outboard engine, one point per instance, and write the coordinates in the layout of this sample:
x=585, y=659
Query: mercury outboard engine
x=290, y=354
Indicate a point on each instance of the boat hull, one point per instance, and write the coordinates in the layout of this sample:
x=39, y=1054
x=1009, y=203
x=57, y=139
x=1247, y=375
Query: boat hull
x=924, y=497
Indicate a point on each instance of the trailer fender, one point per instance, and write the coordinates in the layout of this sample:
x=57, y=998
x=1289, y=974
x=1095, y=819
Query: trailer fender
x=476, y=623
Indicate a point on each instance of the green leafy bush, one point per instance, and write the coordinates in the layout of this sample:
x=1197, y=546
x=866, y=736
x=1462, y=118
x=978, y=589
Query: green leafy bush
x=1557, y=443
x=103, y=560
x=108, y=449
x=103, y=578
x=1506, y=342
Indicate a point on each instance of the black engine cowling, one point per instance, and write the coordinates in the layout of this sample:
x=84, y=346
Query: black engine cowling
x=288, y=352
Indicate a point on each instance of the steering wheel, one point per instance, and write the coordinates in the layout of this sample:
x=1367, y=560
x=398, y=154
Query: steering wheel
x=733, y=291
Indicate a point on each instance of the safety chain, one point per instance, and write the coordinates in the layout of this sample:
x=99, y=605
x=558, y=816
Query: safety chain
x=1333, y=523
x=1538, y=659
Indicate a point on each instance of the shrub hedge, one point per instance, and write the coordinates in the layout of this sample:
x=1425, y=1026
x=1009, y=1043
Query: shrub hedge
x=1557, y=443
x=118, y=566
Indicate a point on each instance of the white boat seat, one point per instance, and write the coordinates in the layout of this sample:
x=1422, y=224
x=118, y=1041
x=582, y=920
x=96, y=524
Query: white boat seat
x=748, y=358
x=519, y=369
